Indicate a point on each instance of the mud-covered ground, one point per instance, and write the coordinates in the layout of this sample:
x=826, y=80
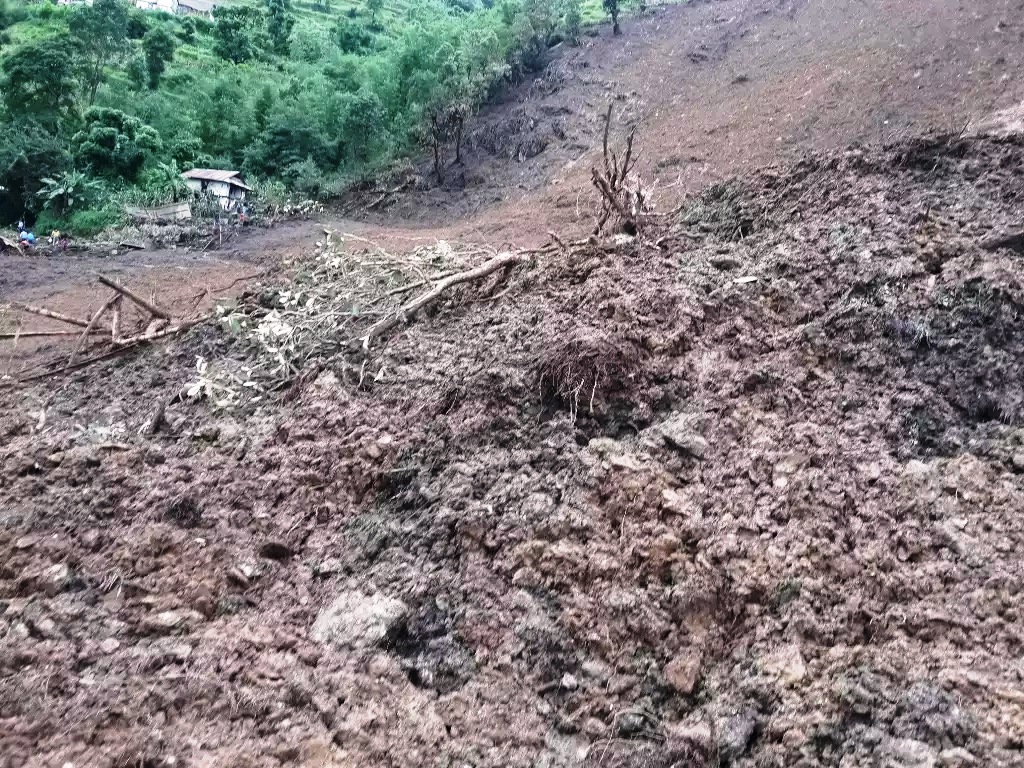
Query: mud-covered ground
x=777, y=524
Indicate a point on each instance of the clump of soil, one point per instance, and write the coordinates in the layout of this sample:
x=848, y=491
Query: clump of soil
x=785, y=533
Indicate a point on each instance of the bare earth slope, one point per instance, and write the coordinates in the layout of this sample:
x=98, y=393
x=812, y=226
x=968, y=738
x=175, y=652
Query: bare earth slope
x=777, y=524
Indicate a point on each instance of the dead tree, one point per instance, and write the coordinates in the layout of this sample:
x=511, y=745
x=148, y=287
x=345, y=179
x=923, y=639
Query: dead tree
x=447, y=123
x=621, y=194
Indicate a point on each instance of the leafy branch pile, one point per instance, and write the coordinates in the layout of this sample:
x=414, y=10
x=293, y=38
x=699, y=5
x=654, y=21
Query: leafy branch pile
x=330, y=305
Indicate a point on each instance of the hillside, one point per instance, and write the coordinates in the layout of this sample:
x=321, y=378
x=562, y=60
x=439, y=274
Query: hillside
x=731, y=482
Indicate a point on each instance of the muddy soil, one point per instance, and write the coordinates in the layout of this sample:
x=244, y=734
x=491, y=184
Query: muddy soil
x=721, y=87
x=770, y=518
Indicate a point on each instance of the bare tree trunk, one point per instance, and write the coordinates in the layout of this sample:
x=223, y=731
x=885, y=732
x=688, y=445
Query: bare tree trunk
x=616, y=29
x=438, y=171
x=458, y=142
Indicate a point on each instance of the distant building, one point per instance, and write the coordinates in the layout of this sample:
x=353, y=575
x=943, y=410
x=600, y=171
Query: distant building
x=226, y=186
x=167, y=6
x=203, y=8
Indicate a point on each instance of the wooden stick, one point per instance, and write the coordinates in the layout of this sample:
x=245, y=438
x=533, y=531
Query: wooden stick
x=146, y=337
x=148, y=306
x=410, y=308
x=115, y=321
x=43, y=312
x=92, y=324
x=34, y=334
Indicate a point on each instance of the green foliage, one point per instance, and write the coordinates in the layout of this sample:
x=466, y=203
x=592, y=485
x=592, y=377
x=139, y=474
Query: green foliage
x=138, y=24
x=289, y=139
x=374, y=7
x=158, y=46
x=304, y=93
x=113, y=144
x=352, y=36
x=572, y=20
x=187, y=30
x=39, y=81
x=237, y=32
x=70, y=191
x=100, y=31
x=279, y=25
x=28, y=153
x=162, y=184
x=91, y=222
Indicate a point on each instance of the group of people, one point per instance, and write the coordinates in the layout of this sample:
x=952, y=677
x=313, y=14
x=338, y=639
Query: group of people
x=27, y=238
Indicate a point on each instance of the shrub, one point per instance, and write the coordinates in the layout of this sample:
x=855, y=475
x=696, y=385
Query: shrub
x=92, y=222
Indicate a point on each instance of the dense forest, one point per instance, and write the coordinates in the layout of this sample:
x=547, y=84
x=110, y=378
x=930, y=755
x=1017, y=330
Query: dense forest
x=104, y=104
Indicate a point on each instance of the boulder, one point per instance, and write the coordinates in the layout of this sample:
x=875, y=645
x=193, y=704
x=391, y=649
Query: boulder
x=357, y=621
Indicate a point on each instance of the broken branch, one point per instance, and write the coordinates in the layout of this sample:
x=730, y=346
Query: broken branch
x=92, y=324
x=43, y=312
x=148, y=306
x=410, y=308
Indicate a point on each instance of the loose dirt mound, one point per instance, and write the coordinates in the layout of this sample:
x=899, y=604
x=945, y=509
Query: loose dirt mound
x=745, y=497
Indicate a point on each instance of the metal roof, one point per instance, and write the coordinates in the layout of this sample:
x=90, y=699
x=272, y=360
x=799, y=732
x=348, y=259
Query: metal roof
x=211, y=174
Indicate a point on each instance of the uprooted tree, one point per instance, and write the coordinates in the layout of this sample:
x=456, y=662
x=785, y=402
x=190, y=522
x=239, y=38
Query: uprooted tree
x=622, y=193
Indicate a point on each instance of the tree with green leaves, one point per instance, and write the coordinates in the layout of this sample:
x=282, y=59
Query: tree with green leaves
x=70, y=191
x=187, y=30
x=280, y=22
x=352, y=36
x=374, y=7
x=101, y=40
x=39, y=81
x=237, y=30
x=158, y=46
x=572, y=20
x=612, y=8
x=114, y=144
x=28, y=153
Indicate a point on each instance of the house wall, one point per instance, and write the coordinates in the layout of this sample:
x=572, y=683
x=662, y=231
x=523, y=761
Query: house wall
x=226, y=193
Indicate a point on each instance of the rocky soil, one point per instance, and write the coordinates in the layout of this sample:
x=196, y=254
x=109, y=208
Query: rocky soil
x=743, y=491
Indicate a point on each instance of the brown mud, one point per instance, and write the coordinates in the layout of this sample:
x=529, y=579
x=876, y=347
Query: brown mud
x=776, y=525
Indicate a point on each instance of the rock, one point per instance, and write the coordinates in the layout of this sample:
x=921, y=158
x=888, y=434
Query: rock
x=680, y=434
x=598, y=670
x=56, y=579
x=26, y=542
x=909, y=753
x=629, y=724
x=275, y=550
x=621, y=683
x=109, y=645
x=787, y=664
x=328, y=567
x=1018, y=461
x=168, y=621
x=724, y=262
x=569, y=682
x=357, y=621
x=734, y=734
x=957, y=757
x=683, y=671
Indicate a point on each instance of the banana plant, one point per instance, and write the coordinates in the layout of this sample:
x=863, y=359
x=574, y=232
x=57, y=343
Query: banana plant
x=69, y=191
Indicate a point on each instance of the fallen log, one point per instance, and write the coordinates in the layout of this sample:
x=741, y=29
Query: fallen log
x=43, y=312
x=35, y=334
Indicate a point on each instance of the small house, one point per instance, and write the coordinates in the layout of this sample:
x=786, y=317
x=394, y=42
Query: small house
x=226, y=186
x=167, y=6
x=202, y=8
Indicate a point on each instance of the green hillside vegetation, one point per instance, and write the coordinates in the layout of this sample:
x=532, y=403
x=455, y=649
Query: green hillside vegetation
x=104, y=105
